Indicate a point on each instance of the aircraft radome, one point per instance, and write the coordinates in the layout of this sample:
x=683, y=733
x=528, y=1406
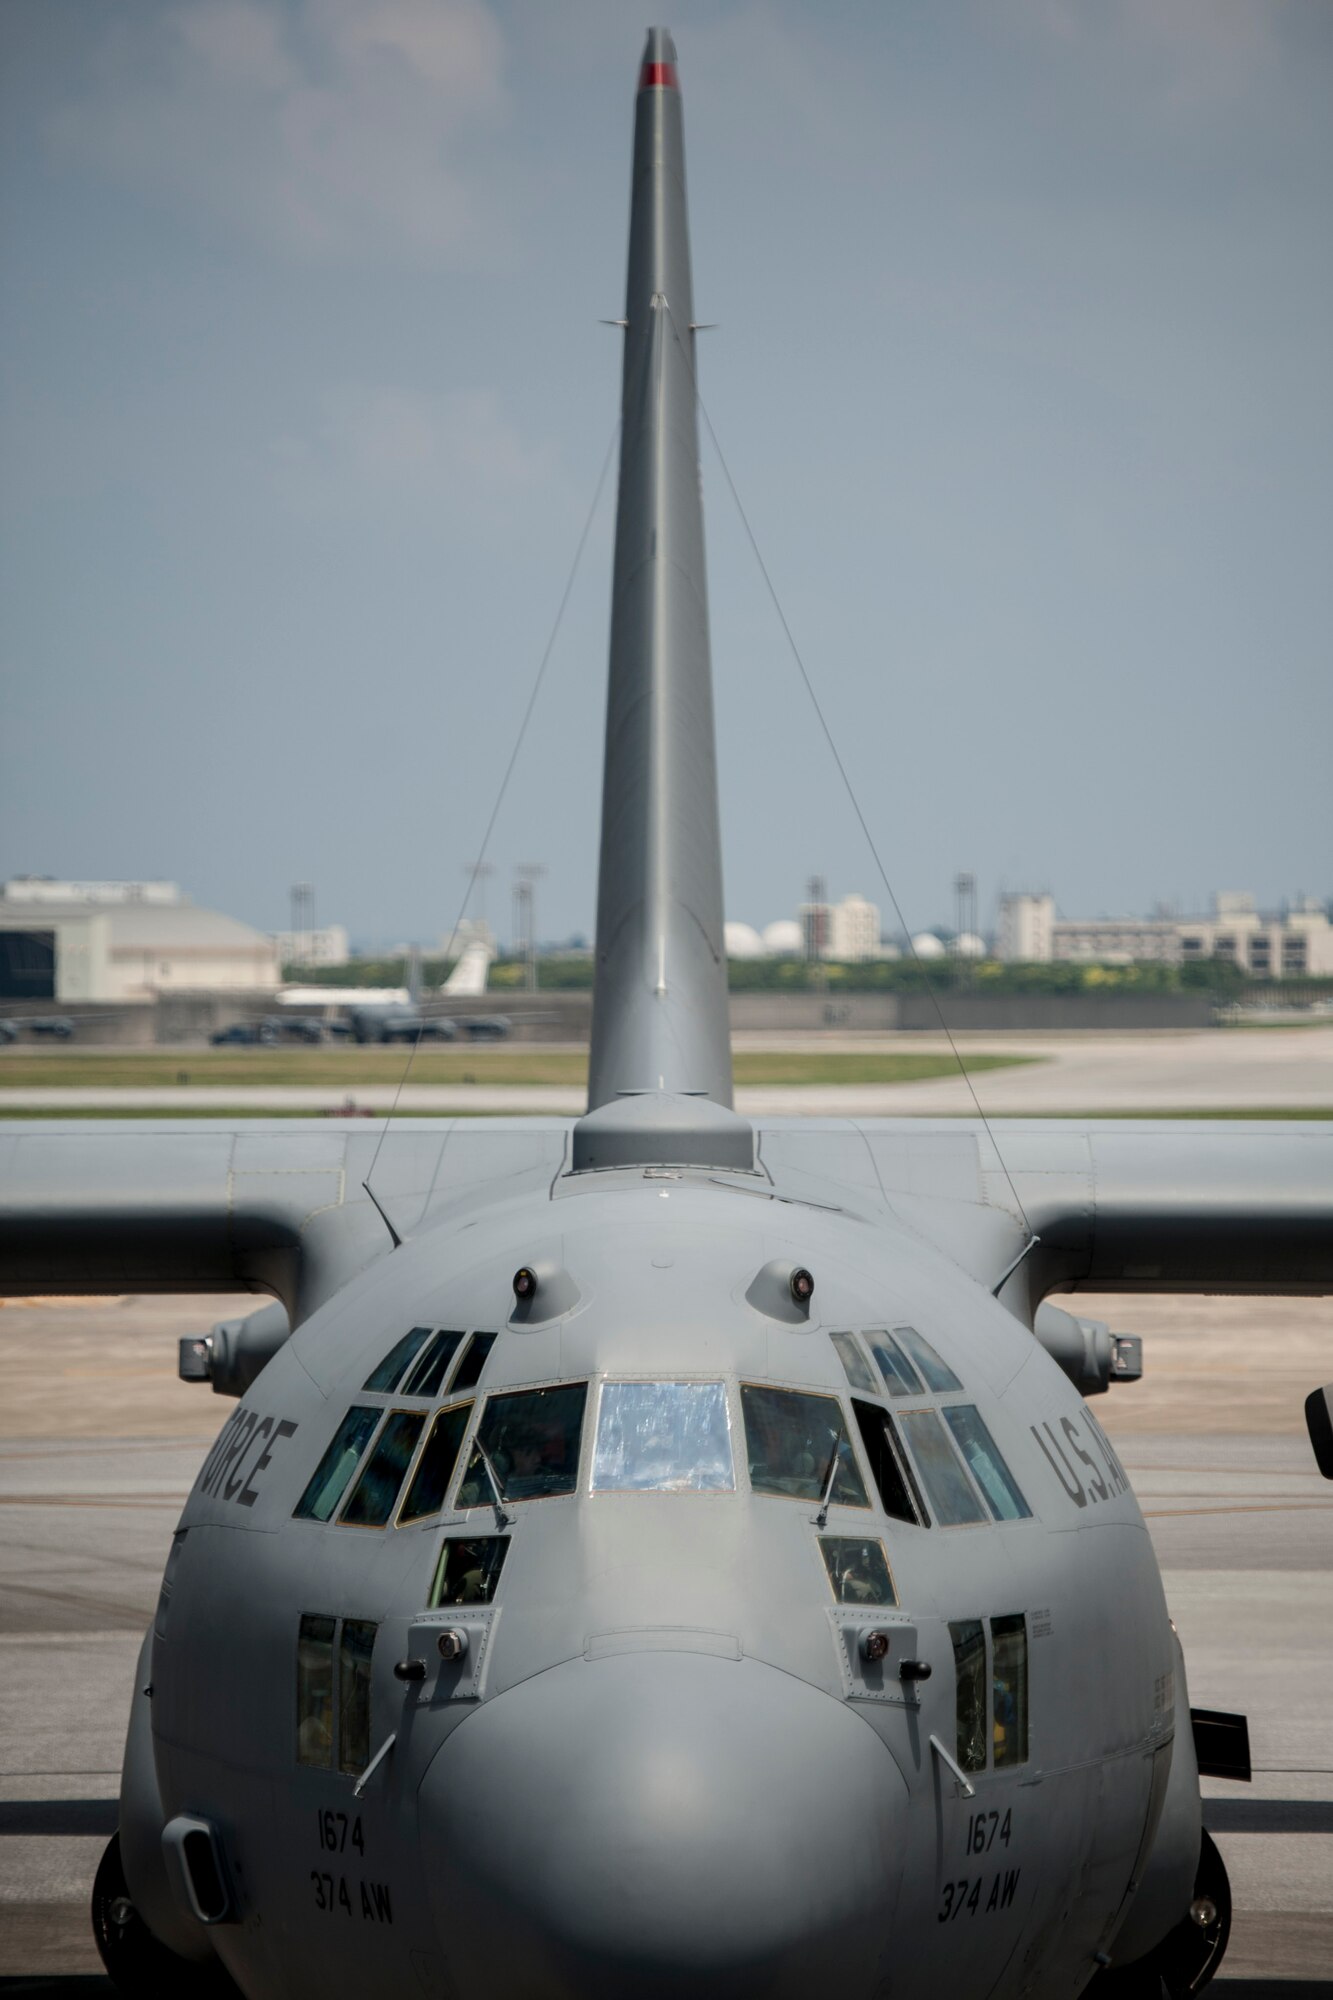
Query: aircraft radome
x=663, y=1559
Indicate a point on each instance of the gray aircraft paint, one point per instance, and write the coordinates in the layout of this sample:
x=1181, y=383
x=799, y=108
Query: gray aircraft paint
x=663, y=1764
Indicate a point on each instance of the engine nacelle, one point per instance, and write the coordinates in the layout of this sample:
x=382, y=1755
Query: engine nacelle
x=1091, y=1355
x=232, y=1355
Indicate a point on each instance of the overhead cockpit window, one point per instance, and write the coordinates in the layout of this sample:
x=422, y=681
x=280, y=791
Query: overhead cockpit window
x=1009, y=1684
x=858, y=1571
x=792, y=1438
x=998, y=1486
x=386, y=1377
x=854, y=1364
x=376, y=1490
x=358, y=1643
x=532, y=1439
x=888, y=1464
x=900, y=1378
x=468, y=1570
x=339, y=1462
x=663, y=1437
x=474, y=1360
x=969, y=1665
x=314, y=1692
x=435, y=1467
x=427, y=1373
x=948, y=1488
x=937, y=1372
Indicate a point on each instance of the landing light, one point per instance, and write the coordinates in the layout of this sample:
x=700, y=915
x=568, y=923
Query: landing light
x=453, y=1645
x=874, y=1645
x=525, y=1282
x=802, y=1285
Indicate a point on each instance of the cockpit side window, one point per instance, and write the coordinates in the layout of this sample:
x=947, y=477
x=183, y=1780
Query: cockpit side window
x=474, y=1360
x=429, y=1370
x=888, y=1465
x=532, y=1437
x=385, y=1379
x=791, y=1438
x=663, y=1437
x=858, y=1570
x=1009, y=1686
x=468, y=1570
x=354, y=1653
x=435, y=1467
x=937, y=1372
x=314, y=1691
x=854, y=1364
x=948, y=1487
x=900, y=1378
x=373, y=1496
x=339, y=1462
x=999, y=1488
x=969, y=1665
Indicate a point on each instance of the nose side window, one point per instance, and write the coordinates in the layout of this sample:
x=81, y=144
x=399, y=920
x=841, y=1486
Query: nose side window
x=969, y=1665
x=999, y=1488
x=948, y=1487
x=339, y=1462
x=1009, y=1689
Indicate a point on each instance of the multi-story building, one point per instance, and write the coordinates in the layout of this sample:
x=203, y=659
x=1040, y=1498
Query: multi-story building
x=1025, y=928
x=853, y=929
x=327, y=945
x=123, y=941
x=1265, y=947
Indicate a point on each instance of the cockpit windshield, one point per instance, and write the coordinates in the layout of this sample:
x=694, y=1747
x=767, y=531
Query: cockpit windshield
x=532, y=1438
x=663, y=1437
x=792, y=1438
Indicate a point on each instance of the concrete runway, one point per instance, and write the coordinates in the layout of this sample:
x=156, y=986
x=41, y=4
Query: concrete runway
x=99, y=1444
x=1096, y=1075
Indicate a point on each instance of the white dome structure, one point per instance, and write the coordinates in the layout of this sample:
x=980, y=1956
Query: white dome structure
x=742, y=941
x=784, y=939
x=926, y=945
x=968, y=945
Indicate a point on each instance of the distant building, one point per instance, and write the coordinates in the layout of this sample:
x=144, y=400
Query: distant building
x=853, y=929
x=1025, y=928
x=1263, y=946
x=848, y=930
x=123, y=941
x=326, y=946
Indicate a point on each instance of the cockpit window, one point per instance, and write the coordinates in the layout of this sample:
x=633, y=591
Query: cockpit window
x=948, y=1487
x=1009, y=1685
x=314, y=1691
x=339, y=1462
x=354, y=1652
x=376, y=1490
x=969, y=1665
x=854, y=1364
x=474, y=1360
x=386, y=1377
x=937, y=1372
x=435, y=1467
x=858, y=1570
x=999, y=1489
x=888, y=1464
x=533, y=1438
x=663, y=1437
x=468, y=1570
x=791, y=1439
x=900, y=1378
x=429, y=1370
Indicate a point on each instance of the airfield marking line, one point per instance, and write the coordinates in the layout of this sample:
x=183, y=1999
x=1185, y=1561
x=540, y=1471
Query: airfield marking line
x=1246, y=1507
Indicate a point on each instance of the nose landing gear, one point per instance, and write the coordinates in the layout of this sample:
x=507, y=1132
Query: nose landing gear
x=137, y=1963
x=1188, y=1956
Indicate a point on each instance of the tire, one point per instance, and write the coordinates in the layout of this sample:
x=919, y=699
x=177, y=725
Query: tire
x=137, y=1963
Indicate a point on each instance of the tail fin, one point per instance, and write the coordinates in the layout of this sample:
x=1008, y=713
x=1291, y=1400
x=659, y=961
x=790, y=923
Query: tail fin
x=469, y=975
x=414, y=976
x=660, y=1065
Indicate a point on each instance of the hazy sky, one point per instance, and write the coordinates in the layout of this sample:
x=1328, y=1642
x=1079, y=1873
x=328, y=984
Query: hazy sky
x=1024, y=372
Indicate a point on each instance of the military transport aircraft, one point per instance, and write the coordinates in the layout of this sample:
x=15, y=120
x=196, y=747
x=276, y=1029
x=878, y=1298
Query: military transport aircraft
x=416, y=1019
x=661, y=1558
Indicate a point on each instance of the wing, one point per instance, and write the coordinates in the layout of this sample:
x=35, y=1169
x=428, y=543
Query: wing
x=209, y=1205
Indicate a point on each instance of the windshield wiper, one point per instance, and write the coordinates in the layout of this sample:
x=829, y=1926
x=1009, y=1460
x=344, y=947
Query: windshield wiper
x=493, y=1480
x=826, y=1496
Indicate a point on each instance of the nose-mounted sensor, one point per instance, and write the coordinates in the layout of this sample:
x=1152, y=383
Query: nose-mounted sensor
x=525, y=1282
x=802, y=1285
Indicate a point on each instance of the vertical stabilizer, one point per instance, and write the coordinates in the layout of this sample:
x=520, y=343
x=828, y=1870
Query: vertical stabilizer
x=661, y=1046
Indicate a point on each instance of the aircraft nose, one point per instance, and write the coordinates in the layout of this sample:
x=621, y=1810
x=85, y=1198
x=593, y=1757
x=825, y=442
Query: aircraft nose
x=663, y=1824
